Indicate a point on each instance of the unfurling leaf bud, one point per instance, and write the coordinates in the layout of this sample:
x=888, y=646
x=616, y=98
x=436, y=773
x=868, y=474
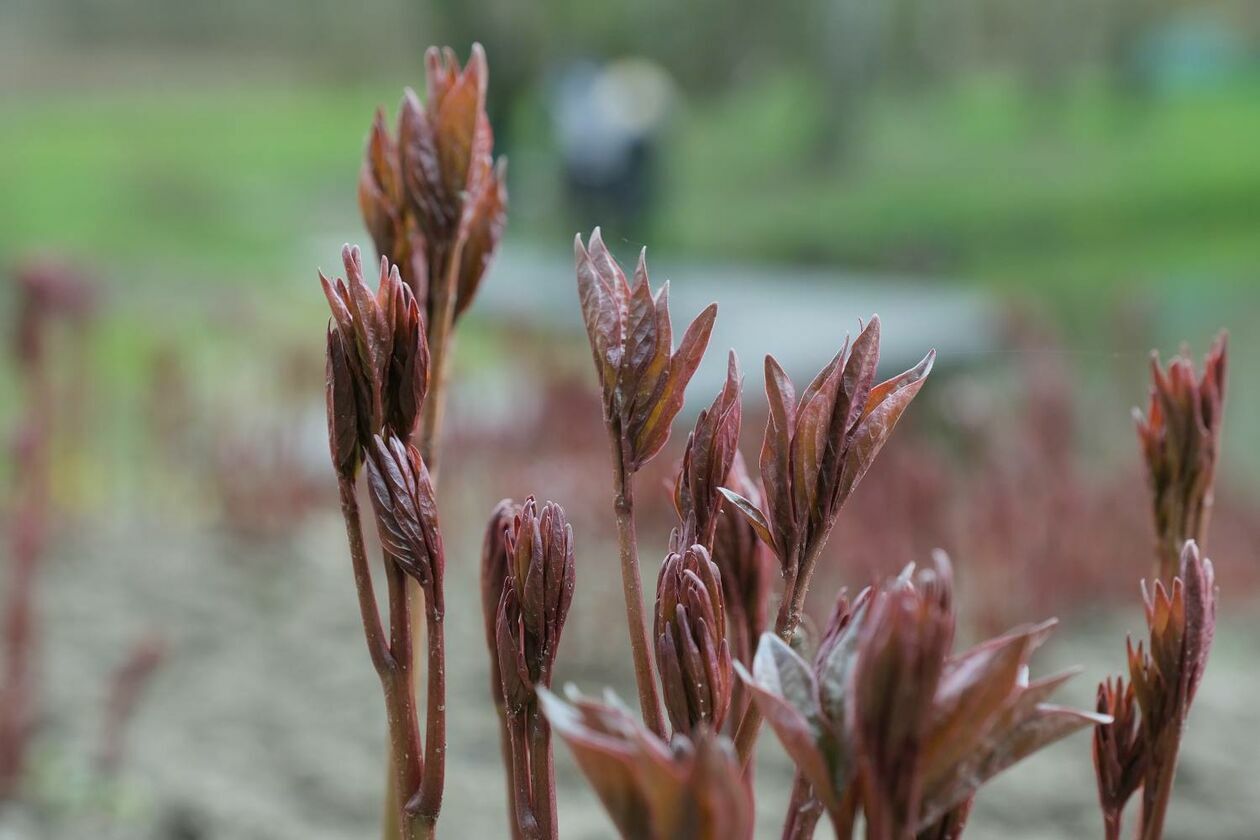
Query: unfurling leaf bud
x=433, y=198
x=1120, y=755
x=642, y=376
x=343, y=409
x=494, y=566
x=690, y=788
x=377, y=365
x=1181, y=620
x=1164, y=676
x=706, y=465
x=886, y=714
x=903, y=642
x=691, y=649
x=745, y=565
x=534, y=604
x=406, y=511
x=381, y=202
x=816, y=449
x=1180, y=438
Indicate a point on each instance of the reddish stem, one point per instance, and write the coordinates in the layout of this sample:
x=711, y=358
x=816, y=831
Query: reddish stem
x=527, y=822
x=439, y=333
x=428, y=800
x=632, y=588
x=843, y=819
x=368, y=612
x=1157, y=789
x=28, y=529
x=542, y=773
x=394, y=670
x=126, y=686
x=505, y=744
x=791, y=608
x=1111, y=826
x=804, y=811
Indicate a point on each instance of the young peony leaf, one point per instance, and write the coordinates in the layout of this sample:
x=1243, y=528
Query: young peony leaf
x=750, y=511
x=884, y=408
x=776, y=458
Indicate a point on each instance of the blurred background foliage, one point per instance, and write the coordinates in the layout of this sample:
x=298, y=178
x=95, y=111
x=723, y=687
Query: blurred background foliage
x=1038, y=145
x=1094, y=161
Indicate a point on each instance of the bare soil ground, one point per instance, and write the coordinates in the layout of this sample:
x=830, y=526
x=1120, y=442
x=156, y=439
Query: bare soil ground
x=266, y=723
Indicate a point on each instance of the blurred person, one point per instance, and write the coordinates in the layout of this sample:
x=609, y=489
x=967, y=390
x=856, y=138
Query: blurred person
x=609, y=121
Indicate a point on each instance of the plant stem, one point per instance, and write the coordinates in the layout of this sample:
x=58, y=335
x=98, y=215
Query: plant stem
x=400, y=693
x=505, y=743
x=632, y=588
x=28, y=526
x=795, y=588
x=404, y=740
x=1157, y=790
x=439, y=333
x=428, y=429
x=428, y=800
x=1111, y=826
x=15, y=712
x=804, y=811
x=368, y=611
x=394, y=671
x=527, y=822
x=542, y=772
x=842, y=820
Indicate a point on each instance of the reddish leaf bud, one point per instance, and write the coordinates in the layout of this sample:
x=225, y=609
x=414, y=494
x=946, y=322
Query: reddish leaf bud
x=380, y=192
x=406, y=511
x=378, y=361
x=692, y=787
x=494, y=564
x=434, y=199
x=745, y=565
x=1180, y=438
x=1181, y=620
x=886, y=700
x=902, y=645
x=1164, y=676
x=707, y=460
x=536, y=596
x=642, y=376
x=691, y=649
x=816, y=449
x=1120, y=755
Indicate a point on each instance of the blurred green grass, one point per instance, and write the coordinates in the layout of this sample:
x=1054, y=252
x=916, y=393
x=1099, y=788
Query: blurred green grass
x=974, y=181
x=206, y=207
x=981, y=182
x=219, y=181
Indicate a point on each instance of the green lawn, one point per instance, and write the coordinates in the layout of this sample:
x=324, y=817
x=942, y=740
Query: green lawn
x=205, y=207
x=981, y=183
x=220, y=181
x=229, y=182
